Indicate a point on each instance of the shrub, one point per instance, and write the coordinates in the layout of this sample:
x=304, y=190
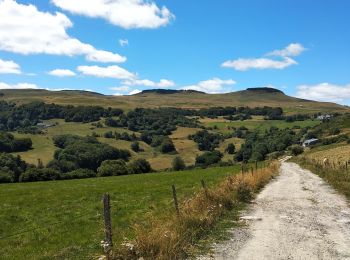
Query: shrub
x=35, y=174
x=79, y=174
x=112, y=167
x=6, y=176
x=167, y=146
x=139, y=166
x=178, y=164
x=135, y=146
x=296, y=150
x=230, y=148
x=108, y=134
x=208, y=158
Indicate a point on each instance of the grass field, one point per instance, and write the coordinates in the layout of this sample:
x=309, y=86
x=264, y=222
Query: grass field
x=258, y=123
x=63, y=218
x=44, y=148
x=336, y=153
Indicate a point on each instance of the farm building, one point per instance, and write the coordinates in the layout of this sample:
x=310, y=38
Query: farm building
x=310, y=142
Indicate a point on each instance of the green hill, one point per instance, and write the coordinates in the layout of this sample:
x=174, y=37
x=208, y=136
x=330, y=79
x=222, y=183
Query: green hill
x=176, y=98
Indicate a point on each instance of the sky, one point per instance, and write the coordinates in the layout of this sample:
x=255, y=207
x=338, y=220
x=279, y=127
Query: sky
x=121, y=47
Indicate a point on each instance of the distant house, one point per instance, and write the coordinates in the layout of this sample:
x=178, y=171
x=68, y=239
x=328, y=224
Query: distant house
x=324, y=117
x=45, y=125
x=310, y=142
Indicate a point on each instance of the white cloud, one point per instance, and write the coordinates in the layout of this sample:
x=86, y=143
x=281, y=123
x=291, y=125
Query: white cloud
x=261, y=63
x=124, y=13
x=105, y=56
x=18, y=86
x=163, y=83
x=135, y=91
x=26, y=30
x=114, y=71
x=62, y=73
x=9, y=67
x=284, y=59
x=325, y=92
x=121, y=88
x=293, y=49
x=123, y=42
x=214, y=85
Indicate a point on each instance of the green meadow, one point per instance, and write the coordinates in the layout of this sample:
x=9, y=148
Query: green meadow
x=63, y=220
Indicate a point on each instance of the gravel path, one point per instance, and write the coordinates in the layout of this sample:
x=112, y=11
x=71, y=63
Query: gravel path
x=296, y=216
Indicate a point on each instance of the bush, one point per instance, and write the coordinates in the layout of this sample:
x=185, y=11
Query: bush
x=230, y=148
x=167, y=146
x=6, y=176
x=135, y=146
x=139, y=166
x=112, y=168
x=178, y=164
x=296, y=150
x=35, y=174
x=79, y=174
x=208, y=158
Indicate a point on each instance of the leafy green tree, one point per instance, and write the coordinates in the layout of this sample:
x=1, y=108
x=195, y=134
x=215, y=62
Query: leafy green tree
x=135, y=146
x=230, y=148
x=178, y=164
x=139, y=166
x=112, y=168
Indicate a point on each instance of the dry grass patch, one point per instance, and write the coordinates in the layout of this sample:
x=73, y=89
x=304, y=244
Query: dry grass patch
x=338, y=155
x=171, y=236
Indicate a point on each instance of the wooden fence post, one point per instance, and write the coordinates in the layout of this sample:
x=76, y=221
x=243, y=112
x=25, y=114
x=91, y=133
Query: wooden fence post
x=256, y=165
x=108, y=225
x=205, y=188
x=176, y=204
x=346, y=166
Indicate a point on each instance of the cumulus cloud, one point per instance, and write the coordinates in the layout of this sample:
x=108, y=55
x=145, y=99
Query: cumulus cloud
x=62, y=73
x=214, y=85
x=123, y=42
x=283, y=60
x=18, y=86
x=9, y=67
x=121, y=89
x=114, y=72
x=26, y=30
x=124, y=13
x=325, y=92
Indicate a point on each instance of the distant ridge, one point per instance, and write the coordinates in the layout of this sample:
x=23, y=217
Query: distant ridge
x=265, y=90
x=168, y=91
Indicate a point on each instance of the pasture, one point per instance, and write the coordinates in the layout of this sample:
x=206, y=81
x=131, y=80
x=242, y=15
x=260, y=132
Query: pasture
x=63, y=220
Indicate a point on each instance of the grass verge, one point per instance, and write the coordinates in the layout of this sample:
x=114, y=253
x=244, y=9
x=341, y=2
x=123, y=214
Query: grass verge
x=171, y=236
x=337, y=175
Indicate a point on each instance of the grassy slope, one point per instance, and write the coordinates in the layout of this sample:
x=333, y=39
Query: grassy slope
x=183, y=100
x=256, y=123
x=76, y=206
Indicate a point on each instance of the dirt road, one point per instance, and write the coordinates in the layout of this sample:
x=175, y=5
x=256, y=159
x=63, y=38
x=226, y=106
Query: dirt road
x=296, y=216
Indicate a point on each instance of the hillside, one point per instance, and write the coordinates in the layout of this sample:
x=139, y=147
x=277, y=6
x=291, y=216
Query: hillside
x=183, y=99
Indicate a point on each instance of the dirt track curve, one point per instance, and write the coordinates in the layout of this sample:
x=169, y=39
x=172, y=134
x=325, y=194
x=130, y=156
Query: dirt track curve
x=296, y=216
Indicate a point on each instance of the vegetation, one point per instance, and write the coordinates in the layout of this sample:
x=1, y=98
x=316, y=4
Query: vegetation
x=170, y=236
x=206, y=141
x=8, y=143
x=64, y=219
x=178, y=164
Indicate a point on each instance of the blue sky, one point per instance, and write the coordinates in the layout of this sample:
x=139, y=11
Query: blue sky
x=298, y=46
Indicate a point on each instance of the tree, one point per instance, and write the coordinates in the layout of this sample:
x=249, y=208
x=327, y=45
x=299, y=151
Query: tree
x=178, y=164
x=296, y=150
x=167, y=146
x=139, y=166
x=112, y=168
x=208, y=158
x=230, y=148
x=135, y=146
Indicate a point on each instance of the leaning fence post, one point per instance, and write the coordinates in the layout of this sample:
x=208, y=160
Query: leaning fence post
x=108, y=243
x=205, y=188
x=176, y=204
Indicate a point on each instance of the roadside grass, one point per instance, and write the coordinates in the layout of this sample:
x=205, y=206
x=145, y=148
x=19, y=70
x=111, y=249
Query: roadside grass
x=337, y=154
x=173, y=236
x=337, y=175
x=260, y=124
x=63, y=220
